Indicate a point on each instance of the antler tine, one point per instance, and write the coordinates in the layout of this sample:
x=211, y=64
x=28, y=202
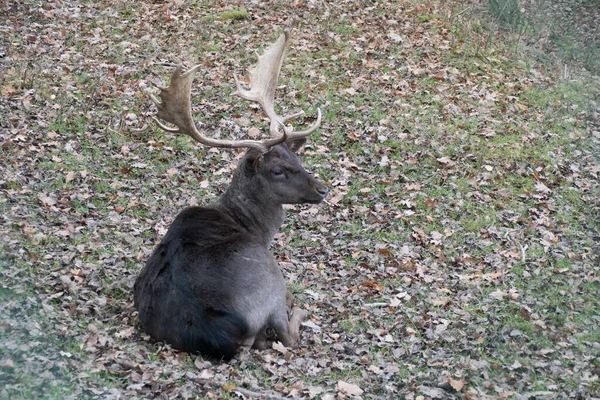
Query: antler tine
x=263, y=83
x=311, y=129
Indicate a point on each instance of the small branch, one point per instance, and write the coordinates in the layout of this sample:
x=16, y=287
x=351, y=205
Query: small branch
x=537, y=394
x=258, y=395
x=139, y=130
x=374, y=305
x=245, y=392
x=127, y=364
x=165, y=64
x=461, y=12
x=523, y=250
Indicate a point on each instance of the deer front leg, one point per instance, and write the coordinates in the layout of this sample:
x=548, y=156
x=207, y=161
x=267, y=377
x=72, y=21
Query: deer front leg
x=264, y=339
x=261, y=343
x=289, y=299
x=298, y=315
x=288, y=331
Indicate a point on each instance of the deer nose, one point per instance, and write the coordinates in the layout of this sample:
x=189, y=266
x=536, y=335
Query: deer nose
x=323, y=190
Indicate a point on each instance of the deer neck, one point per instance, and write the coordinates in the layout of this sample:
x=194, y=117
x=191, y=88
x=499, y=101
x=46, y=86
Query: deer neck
x=251, y=206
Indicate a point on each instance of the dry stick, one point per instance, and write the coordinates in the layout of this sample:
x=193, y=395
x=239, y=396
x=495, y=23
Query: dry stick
x=165, y=64
x=258, y=395
x=368, y=305
x=523, y=250
x=461, y=12
x=139, y=130
x=248, y=393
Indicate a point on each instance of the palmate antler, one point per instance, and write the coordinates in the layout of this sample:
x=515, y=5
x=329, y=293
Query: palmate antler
x=174, y=105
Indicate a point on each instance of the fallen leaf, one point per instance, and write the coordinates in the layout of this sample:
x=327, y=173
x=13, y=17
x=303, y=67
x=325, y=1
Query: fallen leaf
x=349, y=389
x=206, y=374
x=8, y=91
x=456, y=385
x=337, y=198
x=47, y=200
x=540, y=187
x=445, y=161
x=440, y=301
x=125, y=333
x=498, y=294
x=242, y=121
x=312, y=326
x=254, y=132
x=69, y=177
x=280, y=348
x=172, y=171
x=412, y=186
x=372, y=285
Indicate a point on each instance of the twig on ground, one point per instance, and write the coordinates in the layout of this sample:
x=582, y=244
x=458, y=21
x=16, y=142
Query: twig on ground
x=245, y=392
x=258, y=395
x=523, y=250
x=373, y=305
x=165, y=64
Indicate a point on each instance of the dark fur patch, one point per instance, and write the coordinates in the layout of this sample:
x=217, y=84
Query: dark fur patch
x=174, y=301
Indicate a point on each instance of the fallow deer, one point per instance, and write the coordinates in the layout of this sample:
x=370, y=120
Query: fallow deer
x=212, y=284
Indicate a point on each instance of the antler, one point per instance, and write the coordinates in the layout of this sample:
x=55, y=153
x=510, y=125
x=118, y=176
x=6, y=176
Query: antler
x=263, y=82
x=174, y=105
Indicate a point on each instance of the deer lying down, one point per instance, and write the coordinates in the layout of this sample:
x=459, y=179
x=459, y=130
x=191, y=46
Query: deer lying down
x=212, y=284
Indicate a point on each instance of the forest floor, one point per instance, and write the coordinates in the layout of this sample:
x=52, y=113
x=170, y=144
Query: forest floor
x=457, y=255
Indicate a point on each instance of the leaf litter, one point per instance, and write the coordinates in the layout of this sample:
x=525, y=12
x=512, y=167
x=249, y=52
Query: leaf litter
x=451, y=258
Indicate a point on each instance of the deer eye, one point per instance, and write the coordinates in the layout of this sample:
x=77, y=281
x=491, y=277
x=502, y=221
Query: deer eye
x=277, y=171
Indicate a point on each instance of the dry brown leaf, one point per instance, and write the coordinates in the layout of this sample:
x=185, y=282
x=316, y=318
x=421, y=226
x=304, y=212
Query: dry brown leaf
x=280, y=348
x=337, y=198
x=254, y=132
x=440, y=301
x=8, y=90
x=372, y=285
x=125, y=333
x=70, y=176
x=446, y=161
x=172, y=171
x=456, y=384
x=413, y=186
x=540, y=187
x=498, y=294
x=206, y=374
x=47, y=200
x=349, y=389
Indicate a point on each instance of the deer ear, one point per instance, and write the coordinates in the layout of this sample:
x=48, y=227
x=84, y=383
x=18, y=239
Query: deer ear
x=295, y=144
x=252, y=160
